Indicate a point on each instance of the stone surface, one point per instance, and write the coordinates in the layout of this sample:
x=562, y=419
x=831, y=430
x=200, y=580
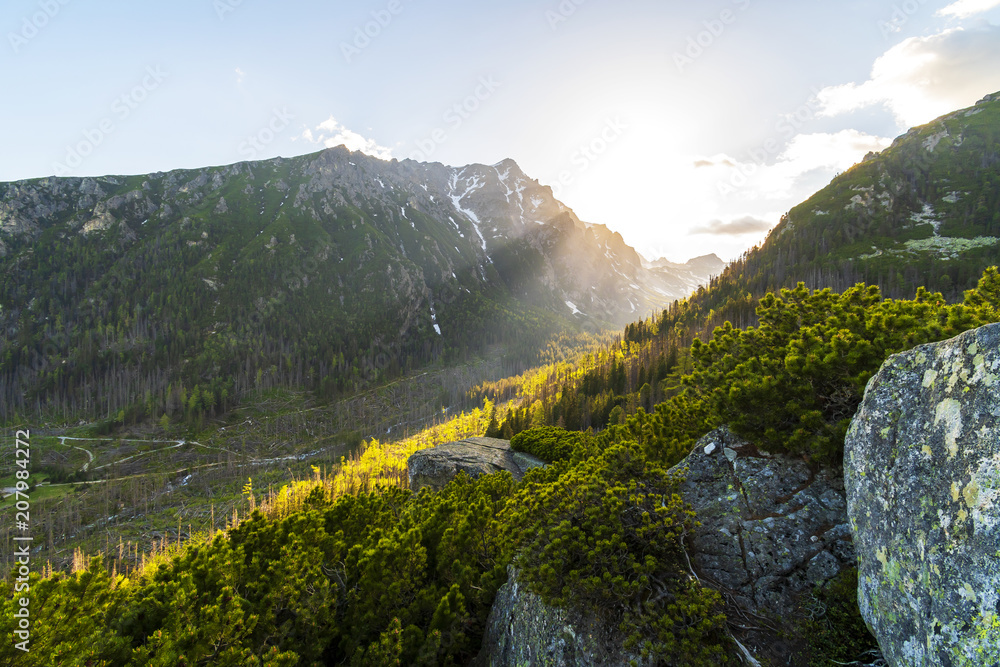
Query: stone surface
x=771, y=529
x=437, y=466
x=522, y=630
x=922, y=466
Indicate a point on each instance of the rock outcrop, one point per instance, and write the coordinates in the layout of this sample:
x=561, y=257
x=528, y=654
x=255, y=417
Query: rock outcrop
x=922, y=466
x=771, y=529
x=523, y=630
x=437, y=466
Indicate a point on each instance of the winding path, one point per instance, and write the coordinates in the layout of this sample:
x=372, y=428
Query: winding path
x=90, y=454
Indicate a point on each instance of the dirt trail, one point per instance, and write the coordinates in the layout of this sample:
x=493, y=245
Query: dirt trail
x=90, y=454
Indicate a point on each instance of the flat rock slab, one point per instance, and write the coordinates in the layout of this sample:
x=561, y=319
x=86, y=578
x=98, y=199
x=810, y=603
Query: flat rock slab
x=922, y=465
x=437, y=466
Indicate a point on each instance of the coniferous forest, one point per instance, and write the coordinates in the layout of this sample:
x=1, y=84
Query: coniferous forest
x=334, y=571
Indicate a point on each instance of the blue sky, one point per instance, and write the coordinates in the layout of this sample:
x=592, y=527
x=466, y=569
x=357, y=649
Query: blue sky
x=688, y=127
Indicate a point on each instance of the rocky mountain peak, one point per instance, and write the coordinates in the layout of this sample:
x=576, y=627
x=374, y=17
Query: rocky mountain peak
x=412, y=254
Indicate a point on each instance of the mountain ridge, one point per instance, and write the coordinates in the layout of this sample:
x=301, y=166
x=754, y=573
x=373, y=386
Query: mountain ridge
x=924, y=212
x=293, y=271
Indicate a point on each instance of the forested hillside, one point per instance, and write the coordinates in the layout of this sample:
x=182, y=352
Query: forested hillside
x=351, y=569
x=925, y=212
x=130, y=297
x=791, y=382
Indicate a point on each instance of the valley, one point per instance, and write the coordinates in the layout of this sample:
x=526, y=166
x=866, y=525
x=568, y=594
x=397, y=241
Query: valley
x=223, y=412
x=136, y=484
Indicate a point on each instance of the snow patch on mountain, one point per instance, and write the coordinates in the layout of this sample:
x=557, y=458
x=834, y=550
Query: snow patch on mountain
x=457, y=201
x=927, y=217
x=434, y=319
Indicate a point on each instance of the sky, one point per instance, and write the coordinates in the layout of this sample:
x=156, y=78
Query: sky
x=688, y=127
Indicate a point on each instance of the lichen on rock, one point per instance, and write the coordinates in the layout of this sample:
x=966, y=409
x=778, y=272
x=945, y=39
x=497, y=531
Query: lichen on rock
x=771, y=528
x=922, y=472
x=523, y=630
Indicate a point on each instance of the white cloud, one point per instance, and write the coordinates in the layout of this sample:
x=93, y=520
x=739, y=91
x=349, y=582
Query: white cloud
x=715, y=161
x=820, y=155
x=330, y=133
x=966, y=8
x=240, y=74
x=838, y=151
x=747, y=224
x=730, y=202
x=922, y=78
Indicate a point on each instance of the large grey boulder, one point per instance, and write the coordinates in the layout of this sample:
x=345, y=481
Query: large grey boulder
x=771, y=528
x=437, y=466
x=922, y=464
x=523, y=630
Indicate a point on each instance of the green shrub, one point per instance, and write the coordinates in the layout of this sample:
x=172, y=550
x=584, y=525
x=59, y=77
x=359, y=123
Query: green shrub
x=605, y=535
x=793, y=383
x=838, y=632
x=549, y=443
x=388, y=578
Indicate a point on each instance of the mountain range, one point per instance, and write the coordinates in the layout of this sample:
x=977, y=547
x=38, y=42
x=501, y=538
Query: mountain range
x=324, y=271
x=332, y=270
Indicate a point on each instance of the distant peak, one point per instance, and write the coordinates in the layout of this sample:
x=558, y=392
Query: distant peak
x=510, y=167
x=705, y=258
x=506, y=162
